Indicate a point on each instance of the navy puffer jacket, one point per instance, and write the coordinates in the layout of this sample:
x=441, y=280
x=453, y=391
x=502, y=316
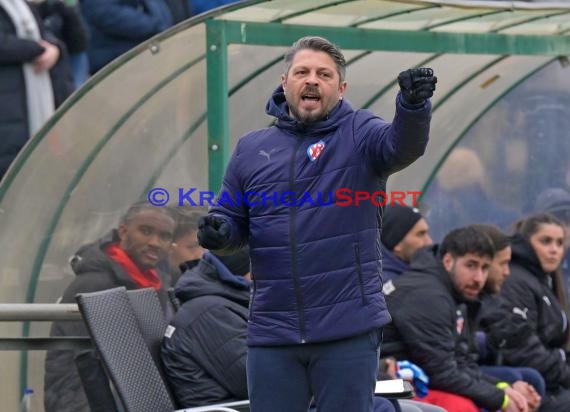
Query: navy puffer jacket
x=316, y=268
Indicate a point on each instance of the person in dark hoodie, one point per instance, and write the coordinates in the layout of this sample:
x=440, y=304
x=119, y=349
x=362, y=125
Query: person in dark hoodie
x=404, y=230
x=317, y=308
x=204, y=348
x=434, y=308
x=535, y=289
x=125, y=257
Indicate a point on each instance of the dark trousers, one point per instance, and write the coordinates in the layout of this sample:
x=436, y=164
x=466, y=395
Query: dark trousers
x=340, y=375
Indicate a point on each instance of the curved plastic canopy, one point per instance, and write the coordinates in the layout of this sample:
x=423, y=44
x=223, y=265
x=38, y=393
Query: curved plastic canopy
x=168, y=114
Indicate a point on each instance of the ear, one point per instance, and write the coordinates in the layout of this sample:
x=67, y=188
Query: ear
x=342, y=89
x=283, y=81
x=397, y=251
x=122, y=232
x=448, y=261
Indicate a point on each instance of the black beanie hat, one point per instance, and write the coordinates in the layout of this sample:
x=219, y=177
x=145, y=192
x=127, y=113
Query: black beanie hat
x=238, y=262
x=397, y=221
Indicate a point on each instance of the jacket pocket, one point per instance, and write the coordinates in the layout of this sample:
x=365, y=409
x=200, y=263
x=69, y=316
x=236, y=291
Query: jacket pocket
x=252, y=298
x=359, y=272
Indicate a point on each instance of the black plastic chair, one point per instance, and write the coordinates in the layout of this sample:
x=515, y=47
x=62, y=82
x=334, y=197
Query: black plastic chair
x=150, y=319
x=115, y=332
x=122, y=340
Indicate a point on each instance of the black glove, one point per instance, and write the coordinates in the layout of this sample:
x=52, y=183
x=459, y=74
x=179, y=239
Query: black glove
x=417, y=85
x=213, y=232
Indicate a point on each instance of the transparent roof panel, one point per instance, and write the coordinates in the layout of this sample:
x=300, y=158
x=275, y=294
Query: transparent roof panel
x=500, y=163
x=353, y=13
x=424, y=18
x=493, y=22
x=274, y=10
x=453, y=118
x=546, y=25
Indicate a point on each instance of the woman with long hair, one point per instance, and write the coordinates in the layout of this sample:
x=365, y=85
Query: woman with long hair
x=535, y=290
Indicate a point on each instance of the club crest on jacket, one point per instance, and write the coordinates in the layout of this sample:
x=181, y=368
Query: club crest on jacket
x=315, y=150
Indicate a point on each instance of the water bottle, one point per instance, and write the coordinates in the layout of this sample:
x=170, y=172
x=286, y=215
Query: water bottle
x=26, y=404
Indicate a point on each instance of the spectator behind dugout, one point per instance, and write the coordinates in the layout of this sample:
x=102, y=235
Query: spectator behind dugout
x=33, y=77
x=535, y=289
x=433, y=308
x=125, y=257
x=66, y=23
x=404, y=230
x=180, y=10
x=202, y=6
x=460, y=196
x=116, y=26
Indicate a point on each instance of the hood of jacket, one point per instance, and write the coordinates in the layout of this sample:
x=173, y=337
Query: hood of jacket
x=524, y=255
x=211, y=277
x=428, y=260
x=277, y=107
x=392, y=265
x=92, y=258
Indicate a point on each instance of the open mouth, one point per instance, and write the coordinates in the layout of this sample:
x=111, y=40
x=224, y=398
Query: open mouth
x=310, y=97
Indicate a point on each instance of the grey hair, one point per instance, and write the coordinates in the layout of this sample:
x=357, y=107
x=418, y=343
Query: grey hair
x=317, y=44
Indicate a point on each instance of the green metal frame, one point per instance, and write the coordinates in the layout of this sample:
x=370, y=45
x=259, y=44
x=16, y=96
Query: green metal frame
x=217, y=101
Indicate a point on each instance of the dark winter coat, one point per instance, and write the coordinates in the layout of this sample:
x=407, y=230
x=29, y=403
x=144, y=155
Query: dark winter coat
x=528, y=290
x=436, y=329
x=204, y=350
x=116, y=26
x=14, y=52
x=316, y=269
x=499, y=328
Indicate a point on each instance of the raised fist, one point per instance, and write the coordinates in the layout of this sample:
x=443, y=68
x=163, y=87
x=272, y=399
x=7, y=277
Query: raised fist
x=417, y=85
x=213, y=232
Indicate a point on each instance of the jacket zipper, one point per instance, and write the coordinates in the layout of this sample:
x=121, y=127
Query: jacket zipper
x=293, y=243
x=359, y=272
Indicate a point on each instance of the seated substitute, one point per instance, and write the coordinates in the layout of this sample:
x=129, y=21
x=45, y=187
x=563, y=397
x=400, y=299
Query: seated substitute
x=404, y=230
x=127, y=256
x=434, y=308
